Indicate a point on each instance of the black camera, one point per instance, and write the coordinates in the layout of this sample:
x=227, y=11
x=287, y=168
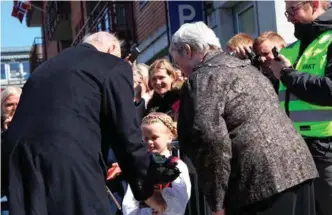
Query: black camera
x=254, y=59
x=134, y=53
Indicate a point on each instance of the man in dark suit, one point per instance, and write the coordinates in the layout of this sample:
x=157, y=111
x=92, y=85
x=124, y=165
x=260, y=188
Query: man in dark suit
x=74, y=107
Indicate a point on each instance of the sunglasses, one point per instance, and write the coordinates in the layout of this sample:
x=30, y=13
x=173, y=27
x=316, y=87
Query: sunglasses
x=291, y=11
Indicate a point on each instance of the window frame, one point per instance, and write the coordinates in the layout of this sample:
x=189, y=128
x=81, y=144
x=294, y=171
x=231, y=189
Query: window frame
x=18, y=71
x=240, y=10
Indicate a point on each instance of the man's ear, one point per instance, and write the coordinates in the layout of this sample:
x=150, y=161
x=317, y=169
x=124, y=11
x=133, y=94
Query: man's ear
x=111, y=49
x=188, y=50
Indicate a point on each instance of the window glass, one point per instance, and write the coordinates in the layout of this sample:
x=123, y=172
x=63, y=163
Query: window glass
x=26, y=69
x=121, y=15
x=14, y=71
x=106, y=21
x=3, y=72
x=246, y=21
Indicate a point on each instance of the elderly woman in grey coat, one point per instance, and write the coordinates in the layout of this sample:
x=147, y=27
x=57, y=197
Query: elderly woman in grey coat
x=249, y=157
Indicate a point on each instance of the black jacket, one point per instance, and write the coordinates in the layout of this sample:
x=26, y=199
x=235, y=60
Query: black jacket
x=73, y=107
x=310, y=88
x=163, y=103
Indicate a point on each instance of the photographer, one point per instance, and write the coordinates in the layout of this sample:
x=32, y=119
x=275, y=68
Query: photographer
x=304, y=69
x=263, y=46
x=241, y=46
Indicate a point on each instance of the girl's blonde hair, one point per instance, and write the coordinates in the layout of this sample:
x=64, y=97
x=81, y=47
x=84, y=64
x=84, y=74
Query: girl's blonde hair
x=161, y=118
x=163, y=63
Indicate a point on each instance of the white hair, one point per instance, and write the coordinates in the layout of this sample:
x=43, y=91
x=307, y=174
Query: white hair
x=9, y=91
x=197, y=35
x=102, y=37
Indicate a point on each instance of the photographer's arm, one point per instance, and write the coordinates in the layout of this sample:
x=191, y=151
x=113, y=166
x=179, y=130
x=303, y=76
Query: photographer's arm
x=310, y=88
x=307, y=87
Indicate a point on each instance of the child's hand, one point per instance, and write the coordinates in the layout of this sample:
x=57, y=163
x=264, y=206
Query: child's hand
x=156, y=202
x=113, y=172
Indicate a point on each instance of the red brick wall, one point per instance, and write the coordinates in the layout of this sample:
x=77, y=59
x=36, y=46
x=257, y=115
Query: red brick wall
x=149, y=18
x=52, y=49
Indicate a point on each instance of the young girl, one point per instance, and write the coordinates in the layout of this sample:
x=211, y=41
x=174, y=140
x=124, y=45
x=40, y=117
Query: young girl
x=158, y=131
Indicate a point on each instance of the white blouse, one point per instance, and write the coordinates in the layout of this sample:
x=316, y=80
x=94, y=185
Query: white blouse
x=176, y=197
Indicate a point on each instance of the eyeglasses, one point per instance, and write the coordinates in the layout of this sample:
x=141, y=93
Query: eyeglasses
x=291, y=11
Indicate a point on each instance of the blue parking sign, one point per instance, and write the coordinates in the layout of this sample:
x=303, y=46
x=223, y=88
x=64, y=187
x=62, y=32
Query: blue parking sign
x=180, y=12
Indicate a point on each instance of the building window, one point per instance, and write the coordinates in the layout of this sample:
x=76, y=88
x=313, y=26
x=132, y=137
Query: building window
x=14, y=71
x=121, y=14
x=26, y=69
x=106, y=21
x=246, y=18
x=99, y=27
x=3, y=72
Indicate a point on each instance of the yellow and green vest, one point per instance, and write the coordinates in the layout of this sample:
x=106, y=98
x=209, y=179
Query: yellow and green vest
x=309, y=120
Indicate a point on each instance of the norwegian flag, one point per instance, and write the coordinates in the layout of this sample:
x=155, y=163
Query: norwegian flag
x=20, y=8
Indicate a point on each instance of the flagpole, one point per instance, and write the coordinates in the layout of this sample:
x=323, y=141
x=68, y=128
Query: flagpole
x=38, y=8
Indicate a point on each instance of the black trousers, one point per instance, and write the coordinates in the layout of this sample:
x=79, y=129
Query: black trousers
x=299, y=200
x=321, y=150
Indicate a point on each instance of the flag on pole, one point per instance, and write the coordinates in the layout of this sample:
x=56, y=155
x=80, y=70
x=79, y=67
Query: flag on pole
x=19, y=9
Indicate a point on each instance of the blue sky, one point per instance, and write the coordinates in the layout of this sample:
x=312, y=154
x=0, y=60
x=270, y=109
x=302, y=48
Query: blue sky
x=13, y=33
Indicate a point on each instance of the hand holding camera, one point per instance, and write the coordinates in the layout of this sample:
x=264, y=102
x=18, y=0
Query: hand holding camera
x=279, y=63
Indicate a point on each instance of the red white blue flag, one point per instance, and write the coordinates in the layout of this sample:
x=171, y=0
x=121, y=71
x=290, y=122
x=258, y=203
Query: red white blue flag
x=20, y=8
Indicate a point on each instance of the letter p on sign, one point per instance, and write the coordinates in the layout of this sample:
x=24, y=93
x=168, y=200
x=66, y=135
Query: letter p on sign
x=191, y=15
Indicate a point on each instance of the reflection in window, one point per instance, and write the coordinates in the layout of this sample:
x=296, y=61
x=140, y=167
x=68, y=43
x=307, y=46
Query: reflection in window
x=3, y=72
x=14, y=71
x=246, y=21
x=99, y=27
x=107, y=24
x=26, y=69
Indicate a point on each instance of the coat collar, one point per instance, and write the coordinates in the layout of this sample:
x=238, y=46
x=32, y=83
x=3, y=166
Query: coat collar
x=219, y=58
x=87, y=45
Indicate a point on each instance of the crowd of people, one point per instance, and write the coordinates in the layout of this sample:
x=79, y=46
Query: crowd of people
x=254, y=121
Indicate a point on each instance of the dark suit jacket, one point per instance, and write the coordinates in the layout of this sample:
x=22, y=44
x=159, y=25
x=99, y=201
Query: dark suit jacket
x=78, y=104
x=243, y=145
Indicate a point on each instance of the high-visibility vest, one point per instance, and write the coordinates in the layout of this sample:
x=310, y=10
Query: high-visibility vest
x=309, y=120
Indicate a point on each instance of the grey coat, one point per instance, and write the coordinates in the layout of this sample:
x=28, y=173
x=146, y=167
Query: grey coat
x=241, y=142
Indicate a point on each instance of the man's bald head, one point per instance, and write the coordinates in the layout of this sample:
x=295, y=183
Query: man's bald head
x=105, y=42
